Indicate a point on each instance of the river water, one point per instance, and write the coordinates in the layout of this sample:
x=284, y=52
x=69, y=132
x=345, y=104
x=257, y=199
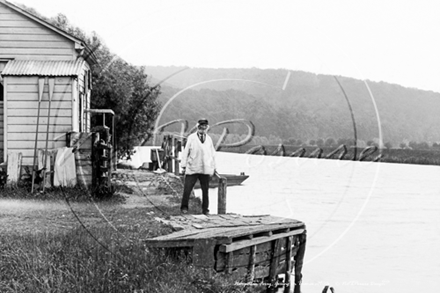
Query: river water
x=372, y=227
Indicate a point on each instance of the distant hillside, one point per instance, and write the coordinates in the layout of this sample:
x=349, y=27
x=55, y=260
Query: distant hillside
x=300, y=105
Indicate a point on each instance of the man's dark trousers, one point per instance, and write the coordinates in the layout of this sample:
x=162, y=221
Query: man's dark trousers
x=190, y=181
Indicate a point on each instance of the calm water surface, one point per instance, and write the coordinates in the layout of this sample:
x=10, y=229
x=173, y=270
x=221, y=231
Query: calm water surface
x=372, y=227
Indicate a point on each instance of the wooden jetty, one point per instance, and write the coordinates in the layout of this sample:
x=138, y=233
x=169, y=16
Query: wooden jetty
x=251, y=249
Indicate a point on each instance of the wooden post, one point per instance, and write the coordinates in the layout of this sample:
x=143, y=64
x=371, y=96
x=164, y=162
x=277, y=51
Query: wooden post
x=13, y=168
x=251, y=267
x=287, y=278
x=221, y=205
x=176, y=159
x=203, y=253
x=299, y=260
x=171, y=155
x=229, y=262
x=168, y=154
x=273, y=265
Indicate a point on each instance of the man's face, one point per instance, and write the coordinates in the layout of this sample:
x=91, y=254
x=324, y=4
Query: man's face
x=202, y=129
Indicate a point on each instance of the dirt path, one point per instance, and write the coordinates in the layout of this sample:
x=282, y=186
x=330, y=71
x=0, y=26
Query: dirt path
x=147, y=195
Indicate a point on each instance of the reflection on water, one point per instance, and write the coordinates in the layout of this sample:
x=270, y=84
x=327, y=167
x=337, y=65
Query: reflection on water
x=372, y=227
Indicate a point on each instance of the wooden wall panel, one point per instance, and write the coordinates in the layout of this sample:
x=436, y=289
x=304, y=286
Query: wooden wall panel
x=23, y=120
x=22, y=100
x=24, y=38
x=56, y=104
x=29, y=144
x=31, y=80
x=54, y=113
x=1, y=128
x=32, y=128
x=28, y=88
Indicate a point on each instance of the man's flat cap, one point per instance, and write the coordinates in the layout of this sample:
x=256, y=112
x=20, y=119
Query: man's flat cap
x=203, y=121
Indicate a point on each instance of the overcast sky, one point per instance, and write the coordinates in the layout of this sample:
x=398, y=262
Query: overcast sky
x=391, y=41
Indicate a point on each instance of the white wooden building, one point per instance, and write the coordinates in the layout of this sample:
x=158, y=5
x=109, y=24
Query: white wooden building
x=38, y=61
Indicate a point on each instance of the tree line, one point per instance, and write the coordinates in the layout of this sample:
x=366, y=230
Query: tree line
x=308, y=105
x=326, y=142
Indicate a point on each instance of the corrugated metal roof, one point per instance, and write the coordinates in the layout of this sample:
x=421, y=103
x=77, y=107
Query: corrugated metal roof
x=44, y=68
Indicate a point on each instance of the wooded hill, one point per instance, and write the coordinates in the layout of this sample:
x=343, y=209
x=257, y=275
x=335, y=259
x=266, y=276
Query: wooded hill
x=300, y=105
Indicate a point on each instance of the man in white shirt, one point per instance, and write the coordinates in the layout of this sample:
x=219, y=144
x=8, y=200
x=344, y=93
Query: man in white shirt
x=198, y=163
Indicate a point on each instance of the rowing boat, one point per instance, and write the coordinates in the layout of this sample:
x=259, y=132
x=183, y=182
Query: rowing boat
x=232, y=179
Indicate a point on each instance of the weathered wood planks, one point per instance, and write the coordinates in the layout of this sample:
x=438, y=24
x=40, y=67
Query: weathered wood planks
x=245, y=243
x=227, y=226
x=14, y=168
x=249, y=248
x=82, y=144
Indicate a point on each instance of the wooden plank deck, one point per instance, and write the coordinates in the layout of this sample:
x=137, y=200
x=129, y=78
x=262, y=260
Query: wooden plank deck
x=246, y=247
x=224, y=228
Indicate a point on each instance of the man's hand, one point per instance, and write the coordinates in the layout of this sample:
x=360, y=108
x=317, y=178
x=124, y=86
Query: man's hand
x=183, y=171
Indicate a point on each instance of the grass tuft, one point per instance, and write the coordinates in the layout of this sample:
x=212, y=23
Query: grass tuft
x=76, y=194
x=74, y=262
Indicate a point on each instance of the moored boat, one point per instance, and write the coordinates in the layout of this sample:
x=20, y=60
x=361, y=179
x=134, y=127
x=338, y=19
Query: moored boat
x=232, y=179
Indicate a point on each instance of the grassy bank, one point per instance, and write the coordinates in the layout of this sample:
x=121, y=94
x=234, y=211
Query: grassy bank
x=73, y=261
x=50, y=244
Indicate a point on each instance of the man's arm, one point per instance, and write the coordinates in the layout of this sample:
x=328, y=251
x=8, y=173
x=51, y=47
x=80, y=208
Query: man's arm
x=185, y=153
x=213, y=155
